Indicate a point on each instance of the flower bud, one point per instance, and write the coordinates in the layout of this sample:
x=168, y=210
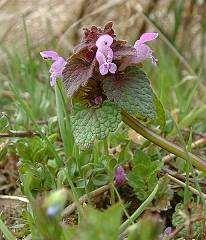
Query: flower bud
x=55, y=202
x=120, y=176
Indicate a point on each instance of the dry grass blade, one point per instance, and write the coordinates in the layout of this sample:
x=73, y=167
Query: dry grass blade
x=104, y=7
x=71, y=208
x=15, y=198
x=176, y=231
x=21, y=134
x=182, y=184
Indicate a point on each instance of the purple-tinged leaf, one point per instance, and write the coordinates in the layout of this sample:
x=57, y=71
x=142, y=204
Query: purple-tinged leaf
x=77, y=73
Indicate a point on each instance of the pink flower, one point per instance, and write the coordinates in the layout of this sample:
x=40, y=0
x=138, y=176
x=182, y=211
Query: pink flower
x=97, y=100
x=143, y=51
x=56, y=67
x=120, y=176
x=104, y=54
x=167, y=232
x=51, y=55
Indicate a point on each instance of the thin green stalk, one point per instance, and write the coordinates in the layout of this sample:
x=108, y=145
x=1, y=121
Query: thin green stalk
x=87, y=190
x=137, y=213
x=75, y=195
x=63, y=120
x=112, y=192
x=28, y=47
x=7, y=233
x=162, y=142
x=122, y=205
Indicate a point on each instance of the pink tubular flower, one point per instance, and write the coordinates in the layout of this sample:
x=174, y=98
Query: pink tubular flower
x=97, y=100
x=56, y=67
x=120, y=176
x=167, y=232
x=104, y=54
x=143, y=51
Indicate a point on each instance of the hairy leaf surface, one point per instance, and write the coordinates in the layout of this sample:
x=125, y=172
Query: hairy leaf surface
x=94, y=123
x=132, y=92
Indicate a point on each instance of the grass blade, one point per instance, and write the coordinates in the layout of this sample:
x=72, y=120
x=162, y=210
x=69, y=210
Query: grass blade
x=142, y=207
x=7, y=233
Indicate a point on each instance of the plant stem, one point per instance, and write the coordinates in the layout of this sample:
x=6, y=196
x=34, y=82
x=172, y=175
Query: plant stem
x=122, y=204
x=141, y=208
x=198, y=143
x=162, y=142
x=19, y=134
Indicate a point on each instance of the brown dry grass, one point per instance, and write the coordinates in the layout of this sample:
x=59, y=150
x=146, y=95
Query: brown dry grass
x=62, y=20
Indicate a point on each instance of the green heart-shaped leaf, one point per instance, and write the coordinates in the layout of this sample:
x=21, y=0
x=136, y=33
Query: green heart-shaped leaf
x=131, y=91
x=89, y=124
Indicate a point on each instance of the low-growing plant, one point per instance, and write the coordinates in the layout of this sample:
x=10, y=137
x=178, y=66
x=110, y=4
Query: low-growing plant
x=101, y=91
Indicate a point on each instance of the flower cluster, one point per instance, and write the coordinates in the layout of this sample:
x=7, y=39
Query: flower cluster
x=99, y=54
x=104, y=54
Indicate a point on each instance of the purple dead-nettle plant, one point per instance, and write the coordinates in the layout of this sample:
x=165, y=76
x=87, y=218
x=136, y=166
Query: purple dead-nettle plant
x=104, y=77
x=120, y=176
